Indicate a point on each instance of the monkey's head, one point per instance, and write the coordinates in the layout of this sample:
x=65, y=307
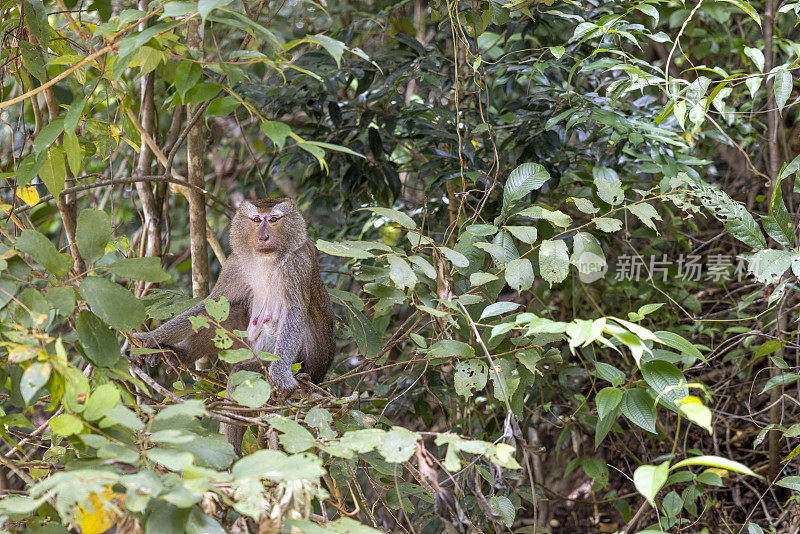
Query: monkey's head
x=268, y=226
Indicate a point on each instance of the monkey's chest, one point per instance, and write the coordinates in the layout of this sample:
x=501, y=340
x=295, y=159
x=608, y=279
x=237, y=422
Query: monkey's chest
x=265, y=311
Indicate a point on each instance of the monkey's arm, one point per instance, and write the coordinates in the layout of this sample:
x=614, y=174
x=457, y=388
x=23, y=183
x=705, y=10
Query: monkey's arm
x=179, y=327
x=174, y=330
x=287, y=346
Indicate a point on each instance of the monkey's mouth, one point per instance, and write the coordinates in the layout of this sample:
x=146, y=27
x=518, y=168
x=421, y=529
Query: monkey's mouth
x=266, y=248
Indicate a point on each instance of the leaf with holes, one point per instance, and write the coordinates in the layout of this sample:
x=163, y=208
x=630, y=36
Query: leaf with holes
x=554, y=261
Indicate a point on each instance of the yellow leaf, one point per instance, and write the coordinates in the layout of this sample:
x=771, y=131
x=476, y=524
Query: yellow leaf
x=99, y=516
x=28, y=194
x=721, y=473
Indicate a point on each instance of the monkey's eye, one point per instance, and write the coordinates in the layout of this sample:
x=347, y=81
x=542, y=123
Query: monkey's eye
x=273, y=219
x=256, y=219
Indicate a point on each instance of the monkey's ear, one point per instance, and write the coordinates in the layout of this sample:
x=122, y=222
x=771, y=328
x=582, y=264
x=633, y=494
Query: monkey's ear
x=247, y=208
x=287, y=206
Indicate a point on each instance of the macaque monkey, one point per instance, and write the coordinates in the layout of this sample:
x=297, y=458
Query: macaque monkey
x=276, y=294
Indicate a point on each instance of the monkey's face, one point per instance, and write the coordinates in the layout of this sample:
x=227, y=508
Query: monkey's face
x=267, y=229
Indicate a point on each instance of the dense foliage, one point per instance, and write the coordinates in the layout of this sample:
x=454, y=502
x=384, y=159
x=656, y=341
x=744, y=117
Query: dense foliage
x=559, y=237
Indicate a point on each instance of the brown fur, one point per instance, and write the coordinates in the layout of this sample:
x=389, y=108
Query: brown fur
x=277, y=278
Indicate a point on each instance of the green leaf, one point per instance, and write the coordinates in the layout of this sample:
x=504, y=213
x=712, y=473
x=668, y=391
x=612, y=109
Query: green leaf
x=747, y=8
x=112, y=303
x=554, y=217
x=29, y=167
x=481, y=230
x=36, y=21
x=48, y=135
x=423, y=265
x=187, y=74
x=780, y=380
x=645, y=212
x=33, y=379
x=603, y=427
x=733, y=215
x=639, y=408
x=649, y=479
x=526, y=234
x=105, y=396
x=607, y=400
x=74, y=114
x=554, y=261
x=607, y=224
x=397, y=216
x=98, y=341
x=401, y=273
x=648, y=10
x=756, y=56
x=782, y=87
x=779, y=223
x=54, y=171
x=609, y=187
x=66, y=424
x=92, y=234
x=184, y=410
x=234, y=356
x=498, y=308
x=73, y=151
x=171, y=459
x=499, y=14
x=502, y=505
x=204, y=7
x=450, y=348
x=293, y=436
x=369, y=344
x=456, y=258
x=398, y=444
x=278, y=466
x=557, y=51
x=222, y=107
x=332, y=46
x=43, y=252
x=481, y=278
x=519, y=274
x=522, y=180
x=328, y=146
x=147, y=269
x=675, y=341
x=340, y=249
x=250, y=389
x=218, y=309
x=469, y=375
x=33, y=60
x=200, y=523
x=718, y=462
x=62, y=299
x=693, y=409
x=791, y=482
x=276, y=131
x=768, y=266
x=667, y=382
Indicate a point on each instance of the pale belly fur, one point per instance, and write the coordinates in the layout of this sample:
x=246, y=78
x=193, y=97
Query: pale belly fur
x=265, y=308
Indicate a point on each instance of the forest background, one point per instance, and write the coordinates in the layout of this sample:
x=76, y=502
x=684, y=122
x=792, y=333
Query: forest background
x=560, y=238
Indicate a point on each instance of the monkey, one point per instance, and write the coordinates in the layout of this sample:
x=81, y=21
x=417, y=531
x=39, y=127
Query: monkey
x=276, y=294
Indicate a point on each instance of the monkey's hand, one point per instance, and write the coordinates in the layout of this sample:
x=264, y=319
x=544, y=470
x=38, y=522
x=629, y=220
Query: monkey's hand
x=280, y=374
x=148, y=341
x=145, y=339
